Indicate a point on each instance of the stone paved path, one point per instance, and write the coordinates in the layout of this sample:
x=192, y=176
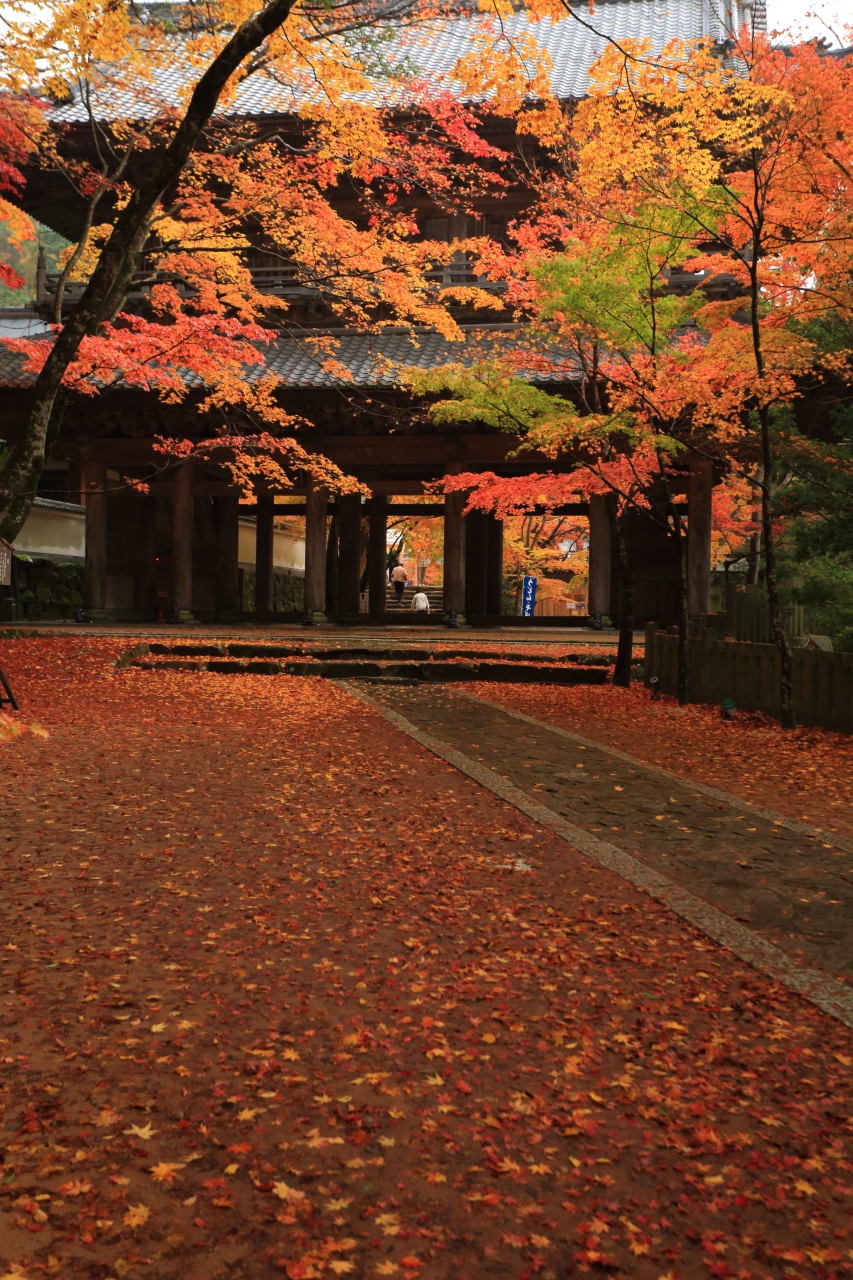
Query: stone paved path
x=793, y=889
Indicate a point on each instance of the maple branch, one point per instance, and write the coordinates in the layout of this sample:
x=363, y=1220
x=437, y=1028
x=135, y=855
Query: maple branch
x=113, y=272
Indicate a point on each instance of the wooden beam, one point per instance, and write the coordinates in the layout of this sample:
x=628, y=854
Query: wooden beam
x=431, y=453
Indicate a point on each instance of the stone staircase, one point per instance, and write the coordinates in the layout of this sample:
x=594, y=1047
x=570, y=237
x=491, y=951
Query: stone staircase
x=435, y=595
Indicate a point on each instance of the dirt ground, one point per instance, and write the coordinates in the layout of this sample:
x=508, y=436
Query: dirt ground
x=285, y=994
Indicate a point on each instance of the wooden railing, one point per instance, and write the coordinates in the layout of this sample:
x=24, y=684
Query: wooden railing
x=279, y=281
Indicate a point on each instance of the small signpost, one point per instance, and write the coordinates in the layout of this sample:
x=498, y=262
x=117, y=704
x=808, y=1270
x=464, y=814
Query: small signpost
x=5, y=564
x=528, y=597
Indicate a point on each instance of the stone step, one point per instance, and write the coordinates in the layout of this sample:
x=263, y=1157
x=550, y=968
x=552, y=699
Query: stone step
x=434, y=594
x=431, y=672
x=394, y=652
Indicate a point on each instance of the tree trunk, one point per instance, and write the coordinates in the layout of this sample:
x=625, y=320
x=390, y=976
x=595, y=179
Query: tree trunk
x=788, y=715
x=624, y=653
x=683, y=615
x=675, y=525
x=755, y=541
x=108, y=284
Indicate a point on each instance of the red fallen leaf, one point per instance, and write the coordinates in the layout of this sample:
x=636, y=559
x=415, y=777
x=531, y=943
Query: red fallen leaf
x=463, y=1086
x=410, y=1262
x=720, y=1269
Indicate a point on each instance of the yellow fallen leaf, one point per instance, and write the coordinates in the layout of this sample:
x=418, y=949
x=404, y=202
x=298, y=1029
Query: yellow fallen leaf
x=249, y=1113
x=387, y=1268
x=159, y=1026
x=335, y=1205
x=136, y=1215
x=387, y=1142
x=231, y=1168
x=488, y=1038
x=284, y=1192
x=145, y=1132
x=165, y=1172
x=805, y=1188
x=340, y=1267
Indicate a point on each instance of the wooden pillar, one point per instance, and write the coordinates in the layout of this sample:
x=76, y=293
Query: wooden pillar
x=454, y=557
x=599, y=556
x=700, y=490
x=95, y=573
x=475, y=563
x=182, y=540
x=316, y=510
x=494, y=567
x=227, y=557
x=264, y=538
x=151, y=575
x=349, y=557
x=377, y=554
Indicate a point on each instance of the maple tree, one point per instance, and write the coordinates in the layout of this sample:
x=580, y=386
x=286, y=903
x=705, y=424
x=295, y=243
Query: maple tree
x=422, y=538
x=21, y=125
x=737, y=171
x=178, y=191
x=753, y=160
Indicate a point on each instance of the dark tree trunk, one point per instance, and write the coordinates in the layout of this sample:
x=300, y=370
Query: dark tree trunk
x=683, y=615
x=625, y=650
x=109, y=282
x=788, y=714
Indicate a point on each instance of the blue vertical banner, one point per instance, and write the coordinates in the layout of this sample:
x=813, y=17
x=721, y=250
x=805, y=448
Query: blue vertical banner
x=528, y=597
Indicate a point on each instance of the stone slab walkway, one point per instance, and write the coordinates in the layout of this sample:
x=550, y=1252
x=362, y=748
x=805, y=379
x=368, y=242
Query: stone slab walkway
x=793, y=888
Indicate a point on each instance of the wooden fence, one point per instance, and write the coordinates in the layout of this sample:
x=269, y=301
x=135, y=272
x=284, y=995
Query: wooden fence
x=749, y=674
x=747, y=615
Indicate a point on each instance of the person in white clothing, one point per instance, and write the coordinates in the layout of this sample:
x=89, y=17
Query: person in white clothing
x=399, y=578
x=420, y=602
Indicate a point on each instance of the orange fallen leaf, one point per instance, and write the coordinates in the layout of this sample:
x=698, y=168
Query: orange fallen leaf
x=76, y=1187
x=136, y=1215
x=165, y=1172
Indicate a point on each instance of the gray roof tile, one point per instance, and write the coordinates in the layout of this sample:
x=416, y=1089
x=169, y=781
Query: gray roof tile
x=433, y=49
x=371, y=359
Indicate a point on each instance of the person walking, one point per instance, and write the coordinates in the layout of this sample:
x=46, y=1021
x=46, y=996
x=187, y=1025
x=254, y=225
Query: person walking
x=420, y=602
x=399, y=578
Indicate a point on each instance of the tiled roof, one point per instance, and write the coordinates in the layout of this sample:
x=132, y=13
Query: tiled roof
x=371, y=360
x=433, y=49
